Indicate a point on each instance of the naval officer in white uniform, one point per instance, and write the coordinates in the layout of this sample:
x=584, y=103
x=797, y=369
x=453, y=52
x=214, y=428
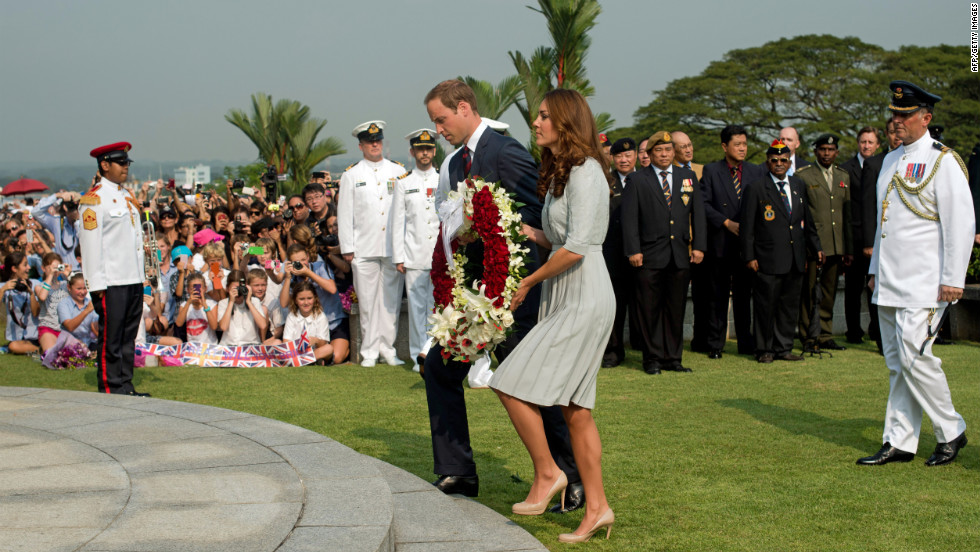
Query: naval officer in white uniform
x=364, y=229
x=111, y=241
x=918, y=266
x=415, y=228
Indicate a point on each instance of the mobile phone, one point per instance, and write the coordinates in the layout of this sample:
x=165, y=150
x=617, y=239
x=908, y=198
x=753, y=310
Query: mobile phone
x=147, y=290
x=256, y=250
x=30, y=235
x=273, y=265
x=197, y=288
x=215, y=268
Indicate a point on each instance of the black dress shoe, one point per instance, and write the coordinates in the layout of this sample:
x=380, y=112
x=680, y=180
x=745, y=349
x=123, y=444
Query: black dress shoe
x=574, y=499
x=135, y=394
x=811, y=347
x=787, y=356
x=765, y=358
x=946, y=452
x=466, y=485
x=675, y=367
x=886, y=454
x=610, y=360
x=855, y=340
x=652, y=368
x=715, y=354
x=832, y=345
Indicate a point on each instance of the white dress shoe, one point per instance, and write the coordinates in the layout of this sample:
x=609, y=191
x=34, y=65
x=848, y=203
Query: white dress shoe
x=393, y=361
x=369, y=362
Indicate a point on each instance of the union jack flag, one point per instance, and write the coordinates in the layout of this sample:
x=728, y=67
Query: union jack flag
x=292, y=353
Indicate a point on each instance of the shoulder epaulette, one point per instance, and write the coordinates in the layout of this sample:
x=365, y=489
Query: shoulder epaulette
x=801, y=169
x=90, y=199
x=939, y=146
x=403, y=176
x=397, y=162
x=349, y=167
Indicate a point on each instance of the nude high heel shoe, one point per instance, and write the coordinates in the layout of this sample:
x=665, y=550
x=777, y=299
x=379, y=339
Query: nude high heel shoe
x=530, y=509
x=605, y=520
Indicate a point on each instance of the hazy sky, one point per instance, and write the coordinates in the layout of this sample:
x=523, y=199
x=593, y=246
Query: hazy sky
x=162, y=74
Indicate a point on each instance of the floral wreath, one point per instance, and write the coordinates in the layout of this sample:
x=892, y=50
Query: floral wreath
x=472, y=299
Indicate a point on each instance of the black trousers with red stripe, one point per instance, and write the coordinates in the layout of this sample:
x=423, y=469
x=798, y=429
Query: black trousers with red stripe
x=119, y=309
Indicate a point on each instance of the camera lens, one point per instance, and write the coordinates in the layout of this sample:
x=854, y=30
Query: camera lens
x=297, y=265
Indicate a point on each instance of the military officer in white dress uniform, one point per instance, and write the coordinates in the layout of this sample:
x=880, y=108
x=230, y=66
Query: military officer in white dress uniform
x=918, y=266
x=364, y=227
x=111, y=241
x=415, y=228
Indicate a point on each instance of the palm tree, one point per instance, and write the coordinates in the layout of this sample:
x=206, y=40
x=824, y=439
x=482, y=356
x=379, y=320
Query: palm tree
x=561, y=65
x=285, y=135
x=494, y=101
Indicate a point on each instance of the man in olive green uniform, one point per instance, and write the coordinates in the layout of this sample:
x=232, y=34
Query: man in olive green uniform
x=829, y=195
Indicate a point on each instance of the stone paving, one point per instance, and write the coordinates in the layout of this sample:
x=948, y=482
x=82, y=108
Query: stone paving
x=82, y=471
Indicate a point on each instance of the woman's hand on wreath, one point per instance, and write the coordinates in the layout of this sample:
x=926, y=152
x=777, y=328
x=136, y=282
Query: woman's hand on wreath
x=518, y=299
x=466, y=239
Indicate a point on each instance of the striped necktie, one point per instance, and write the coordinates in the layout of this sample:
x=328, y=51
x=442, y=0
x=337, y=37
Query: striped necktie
x=782, y=194
x=467, y=161
x=666, y=186
x=737, y=180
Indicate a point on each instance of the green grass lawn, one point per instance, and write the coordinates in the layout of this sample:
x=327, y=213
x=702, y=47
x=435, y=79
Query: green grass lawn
x=736, y=456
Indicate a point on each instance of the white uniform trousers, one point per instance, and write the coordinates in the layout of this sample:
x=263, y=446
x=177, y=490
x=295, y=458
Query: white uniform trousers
x=418, y=285
x=379, y=293
x=918, y=383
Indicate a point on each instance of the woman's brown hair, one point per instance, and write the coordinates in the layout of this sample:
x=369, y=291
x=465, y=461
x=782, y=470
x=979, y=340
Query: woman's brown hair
x=578, y=140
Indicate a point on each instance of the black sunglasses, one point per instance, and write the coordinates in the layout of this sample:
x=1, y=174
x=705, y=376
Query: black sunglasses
x=298, y=206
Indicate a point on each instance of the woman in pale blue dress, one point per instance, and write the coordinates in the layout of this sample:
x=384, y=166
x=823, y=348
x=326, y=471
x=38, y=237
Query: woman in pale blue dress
x=558, y=361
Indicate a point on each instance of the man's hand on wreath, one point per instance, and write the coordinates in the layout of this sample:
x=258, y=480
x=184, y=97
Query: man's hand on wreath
x=466, y=239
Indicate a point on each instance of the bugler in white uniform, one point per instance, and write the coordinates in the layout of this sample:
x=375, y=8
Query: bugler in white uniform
x=111, y=237
x=364, y=230
x=924, y=237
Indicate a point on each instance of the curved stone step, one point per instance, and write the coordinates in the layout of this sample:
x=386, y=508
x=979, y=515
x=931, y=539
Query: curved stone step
x=93, y=472
x=426, y=519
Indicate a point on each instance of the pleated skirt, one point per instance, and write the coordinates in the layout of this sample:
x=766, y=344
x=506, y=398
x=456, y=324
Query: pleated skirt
x=558, y=361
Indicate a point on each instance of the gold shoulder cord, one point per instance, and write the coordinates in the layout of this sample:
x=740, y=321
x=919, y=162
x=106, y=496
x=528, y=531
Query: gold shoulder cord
x=898, y=184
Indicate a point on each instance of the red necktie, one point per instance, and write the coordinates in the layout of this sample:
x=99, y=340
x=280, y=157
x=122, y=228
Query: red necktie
x=467, y=161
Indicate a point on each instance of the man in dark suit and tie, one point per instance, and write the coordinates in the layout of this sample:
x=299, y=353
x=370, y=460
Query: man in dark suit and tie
x=776, y=232
x=790, y=137
x=624, y=155
x=856, y=275
x=663, y=215
x=495, y=158
x=721, y=189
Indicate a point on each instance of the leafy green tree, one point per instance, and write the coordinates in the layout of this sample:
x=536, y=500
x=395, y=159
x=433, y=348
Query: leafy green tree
x=561, y=65
x=816, y=83
x=285, y=135
x=491, y=100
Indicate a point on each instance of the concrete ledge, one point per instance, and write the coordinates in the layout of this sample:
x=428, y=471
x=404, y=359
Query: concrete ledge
x=85, y=471
x=93, y=472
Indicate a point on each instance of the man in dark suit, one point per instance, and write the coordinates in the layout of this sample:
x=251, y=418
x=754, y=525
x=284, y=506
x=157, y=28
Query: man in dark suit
x=973, y=174
x=776, y=231
x=624, y=155
x=495, y=158
x=700, y=278
x=663, y=215
x=856, y=275
x=721, y=189
x=790, y=137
